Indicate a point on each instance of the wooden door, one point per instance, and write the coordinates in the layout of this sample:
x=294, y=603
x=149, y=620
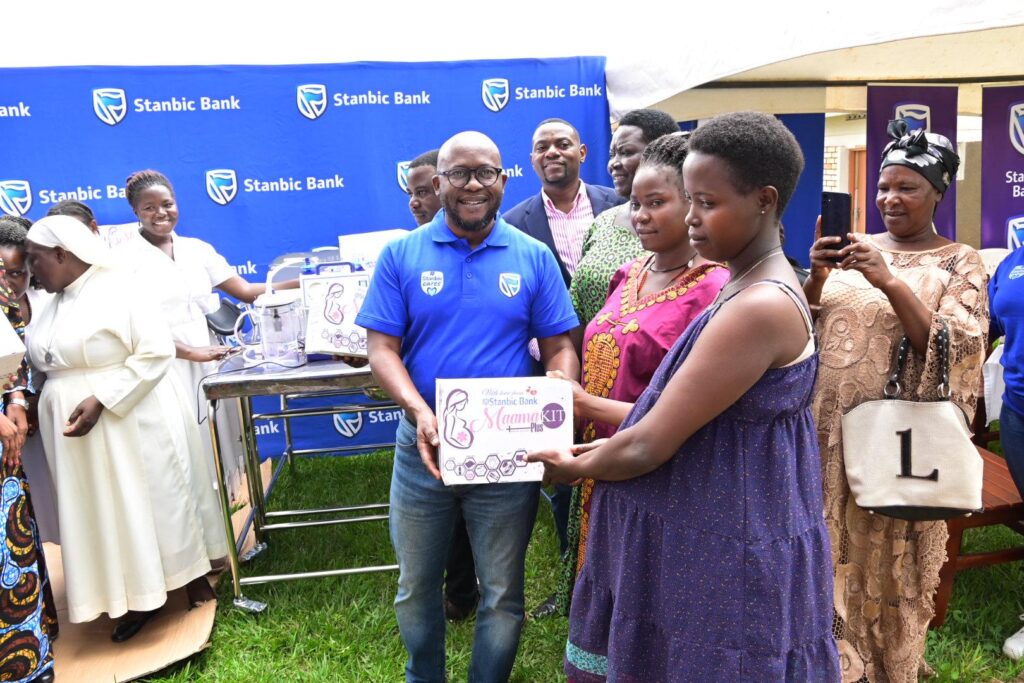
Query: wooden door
x=859, y=194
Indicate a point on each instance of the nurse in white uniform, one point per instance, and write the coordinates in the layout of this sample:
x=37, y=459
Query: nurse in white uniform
x=138, y=515
x=183, y=272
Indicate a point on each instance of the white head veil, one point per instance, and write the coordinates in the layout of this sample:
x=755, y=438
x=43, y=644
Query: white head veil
x=71, y=235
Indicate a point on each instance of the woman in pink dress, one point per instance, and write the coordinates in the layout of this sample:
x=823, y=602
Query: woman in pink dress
x=652, y=299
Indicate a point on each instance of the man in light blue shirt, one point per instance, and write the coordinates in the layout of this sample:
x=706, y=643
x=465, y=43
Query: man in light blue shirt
x=461, y=297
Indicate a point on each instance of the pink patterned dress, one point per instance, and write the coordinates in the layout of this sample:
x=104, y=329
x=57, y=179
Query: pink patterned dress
x=622, y=347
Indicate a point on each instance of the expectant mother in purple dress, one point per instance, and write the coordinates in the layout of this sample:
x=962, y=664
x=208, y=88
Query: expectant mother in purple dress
x=708, y=558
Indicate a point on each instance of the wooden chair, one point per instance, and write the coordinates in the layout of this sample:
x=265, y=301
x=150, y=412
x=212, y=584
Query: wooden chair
x=1002, y=505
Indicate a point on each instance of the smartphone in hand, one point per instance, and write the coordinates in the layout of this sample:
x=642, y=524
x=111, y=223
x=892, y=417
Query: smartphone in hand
x=835, y=217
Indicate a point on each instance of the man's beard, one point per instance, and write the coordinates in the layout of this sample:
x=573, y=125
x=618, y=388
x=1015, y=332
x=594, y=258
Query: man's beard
x=469, y=226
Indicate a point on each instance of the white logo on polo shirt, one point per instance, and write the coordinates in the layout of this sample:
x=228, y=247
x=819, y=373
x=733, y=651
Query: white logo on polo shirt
x=431, y=282
x=509, y=283
x=1017, y=272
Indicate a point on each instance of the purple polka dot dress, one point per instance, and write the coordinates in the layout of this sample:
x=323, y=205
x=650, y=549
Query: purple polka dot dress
x=716, y=566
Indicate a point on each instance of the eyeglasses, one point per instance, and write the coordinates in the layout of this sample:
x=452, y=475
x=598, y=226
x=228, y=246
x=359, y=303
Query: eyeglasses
x=459, y=176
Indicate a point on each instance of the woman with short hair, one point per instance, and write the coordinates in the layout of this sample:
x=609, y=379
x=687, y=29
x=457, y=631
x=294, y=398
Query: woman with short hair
x=708, y=558
x=182, y=273
x=651, y=301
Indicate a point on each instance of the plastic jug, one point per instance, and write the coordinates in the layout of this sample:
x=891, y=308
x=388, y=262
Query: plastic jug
x=279, y=322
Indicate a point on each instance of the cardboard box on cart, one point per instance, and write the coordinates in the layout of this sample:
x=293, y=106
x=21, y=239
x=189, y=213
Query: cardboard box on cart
x=487, y=426
x=333, y=297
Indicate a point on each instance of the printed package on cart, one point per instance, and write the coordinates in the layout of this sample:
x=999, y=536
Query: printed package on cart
x=333, y=300
x=487, y=426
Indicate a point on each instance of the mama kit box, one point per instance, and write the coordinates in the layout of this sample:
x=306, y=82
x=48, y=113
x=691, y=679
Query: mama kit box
x=487, y=426
x=333, y=300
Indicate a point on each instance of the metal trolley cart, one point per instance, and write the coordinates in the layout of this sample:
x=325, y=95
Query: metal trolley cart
x=316, y=379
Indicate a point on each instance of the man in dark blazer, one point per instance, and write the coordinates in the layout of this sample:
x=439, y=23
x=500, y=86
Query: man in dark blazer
x=561, y=214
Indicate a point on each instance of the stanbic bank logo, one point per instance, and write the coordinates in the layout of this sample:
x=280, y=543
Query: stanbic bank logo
x=403, y=175
x=221, y=185
x=224, y=184
x=110, y=105
x=1017, y=126
x=348, y=424
x=1015, y=232
x=917, y=116
x=311, y=99
x=15, y=197
x=495, y=93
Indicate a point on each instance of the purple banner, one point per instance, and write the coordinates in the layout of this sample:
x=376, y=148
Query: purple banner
x=1002, y=166
x=922, y=106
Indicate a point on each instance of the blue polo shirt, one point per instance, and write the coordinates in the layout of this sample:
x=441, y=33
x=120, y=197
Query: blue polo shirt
x=1006, y=301
x=465, y=312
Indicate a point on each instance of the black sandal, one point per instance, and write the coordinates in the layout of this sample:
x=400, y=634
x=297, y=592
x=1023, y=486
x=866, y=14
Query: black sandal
x=128, y=627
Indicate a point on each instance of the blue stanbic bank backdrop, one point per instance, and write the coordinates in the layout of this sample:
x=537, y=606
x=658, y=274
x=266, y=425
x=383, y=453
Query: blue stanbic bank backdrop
x=275, y=159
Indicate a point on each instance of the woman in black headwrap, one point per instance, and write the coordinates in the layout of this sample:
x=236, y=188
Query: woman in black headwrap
x=909, y=281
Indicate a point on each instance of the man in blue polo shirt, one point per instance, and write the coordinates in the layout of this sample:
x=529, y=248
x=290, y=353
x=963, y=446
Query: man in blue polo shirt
x=461, y=297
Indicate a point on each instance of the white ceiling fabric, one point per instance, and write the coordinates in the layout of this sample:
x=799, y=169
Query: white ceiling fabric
x=654, y=49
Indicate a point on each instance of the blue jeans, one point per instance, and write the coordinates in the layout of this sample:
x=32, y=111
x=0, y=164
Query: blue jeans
x=459, y=573
x=1011, y=435
x=499, y=519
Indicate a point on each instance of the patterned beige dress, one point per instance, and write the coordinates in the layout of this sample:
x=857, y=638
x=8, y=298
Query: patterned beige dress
x=887, y=570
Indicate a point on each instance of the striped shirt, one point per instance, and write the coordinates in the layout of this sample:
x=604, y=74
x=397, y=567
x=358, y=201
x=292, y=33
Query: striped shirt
x=569, y=229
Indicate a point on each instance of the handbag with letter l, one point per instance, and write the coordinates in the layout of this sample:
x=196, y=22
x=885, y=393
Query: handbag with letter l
x=909, y=459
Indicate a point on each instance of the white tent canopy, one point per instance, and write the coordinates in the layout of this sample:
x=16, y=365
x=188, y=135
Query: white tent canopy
x=655, y=50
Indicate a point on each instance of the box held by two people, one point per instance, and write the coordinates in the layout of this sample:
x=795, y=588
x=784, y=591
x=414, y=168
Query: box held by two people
x=487, y=426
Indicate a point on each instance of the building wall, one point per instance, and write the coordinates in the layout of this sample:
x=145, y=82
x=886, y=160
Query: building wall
x=968, y=195
x=831, y=175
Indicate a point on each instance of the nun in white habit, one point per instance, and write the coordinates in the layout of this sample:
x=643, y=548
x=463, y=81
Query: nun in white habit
x=138, y=515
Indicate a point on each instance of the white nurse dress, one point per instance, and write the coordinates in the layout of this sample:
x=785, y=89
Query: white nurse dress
x=183, y=287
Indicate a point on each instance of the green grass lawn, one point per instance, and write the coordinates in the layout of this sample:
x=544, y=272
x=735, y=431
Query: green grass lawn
x=343, y=629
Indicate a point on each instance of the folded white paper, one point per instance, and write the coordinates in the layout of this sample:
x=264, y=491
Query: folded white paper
x=12, y=350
